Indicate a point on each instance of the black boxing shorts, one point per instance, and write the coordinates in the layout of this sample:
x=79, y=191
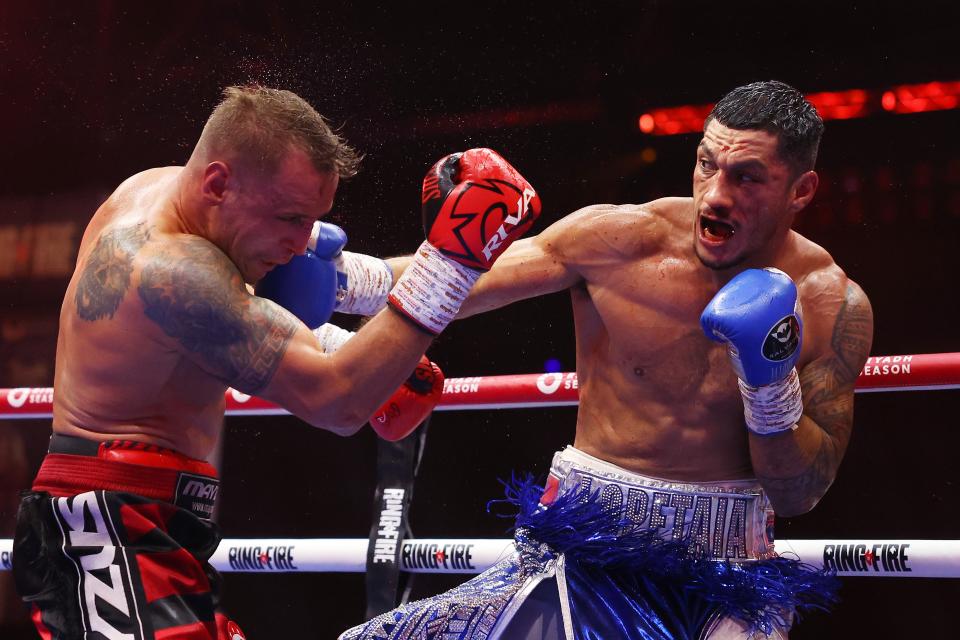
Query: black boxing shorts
x=113, y=541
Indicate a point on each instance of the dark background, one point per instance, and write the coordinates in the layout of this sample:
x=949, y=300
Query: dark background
x=91, y=92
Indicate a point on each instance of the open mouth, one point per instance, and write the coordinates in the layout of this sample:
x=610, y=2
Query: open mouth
x=714, y=230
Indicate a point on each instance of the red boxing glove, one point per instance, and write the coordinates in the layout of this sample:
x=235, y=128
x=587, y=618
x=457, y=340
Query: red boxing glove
x=411, y=403
x=475, y=205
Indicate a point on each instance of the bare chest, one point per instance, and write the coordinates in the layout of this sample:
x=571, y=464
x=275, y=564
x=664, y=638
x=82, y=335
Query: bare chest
x=642, y=323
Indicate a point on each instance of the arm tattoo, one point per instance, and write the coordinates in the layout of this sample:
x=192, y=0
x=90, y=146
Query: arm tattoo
x=106, y=276
x=853, y=333
x=827, y=385
x=197, y=296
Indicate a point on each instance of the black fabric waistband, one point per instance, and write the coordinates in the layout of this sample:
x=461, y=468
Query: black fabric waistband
x=73, y=445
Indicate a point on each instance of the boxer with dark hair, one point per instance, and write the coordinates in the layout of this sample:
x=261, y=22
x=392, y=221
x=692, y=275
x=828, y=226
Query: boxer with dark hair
x=114, y=539
x=717, y=351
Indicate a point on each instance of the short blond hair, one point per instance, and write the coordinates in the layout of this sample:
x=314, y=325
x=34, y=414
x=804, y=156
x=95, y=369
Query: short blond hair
x=259, y=125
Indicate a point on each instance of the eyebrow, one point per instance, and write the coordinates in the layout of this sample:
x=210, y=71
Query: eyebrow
x=741, y=165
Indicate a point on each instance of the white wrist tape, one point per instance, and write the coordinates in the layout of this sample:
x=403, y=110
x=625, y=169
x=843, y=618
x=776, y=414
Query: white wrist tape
x=369, y=281
x=773, y=408
x=331, y=337
x=432, y=288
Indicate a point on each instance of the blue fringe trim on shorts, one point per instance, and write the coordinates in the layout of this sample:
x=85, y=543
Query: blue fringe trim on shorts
x=763, y=594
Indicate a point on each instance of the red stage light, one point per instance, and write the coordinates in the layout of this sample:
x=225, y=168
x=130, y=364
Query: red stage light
x=889, y=100
x=840, y=105
x=673, y=120
x=831, y=105
x=646, y=123
x=931, y=96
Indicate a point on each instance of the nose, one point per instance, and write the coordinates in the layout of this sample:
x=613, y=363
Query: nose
x=299, y=242
x=717, y=195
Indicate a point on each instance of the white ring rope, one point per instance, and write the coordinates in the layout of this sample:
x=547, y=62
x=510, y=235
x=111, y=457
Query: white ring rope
x=864, y=558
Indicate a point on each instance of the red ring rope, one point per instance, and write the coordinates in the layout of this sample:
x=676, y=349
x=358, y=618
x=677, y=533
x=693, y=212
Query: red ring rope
x=880, y=373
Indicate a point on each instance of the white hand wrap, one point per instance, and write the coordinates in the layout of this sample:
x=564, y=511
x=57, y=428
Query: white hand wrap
x=773, y=408
x=432, y=288
x=369, y=281
x=331, y=337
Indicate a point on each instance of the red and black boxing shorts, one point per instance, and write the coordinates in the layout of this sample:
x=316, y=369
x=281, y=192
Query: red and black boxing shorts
x=114, y=541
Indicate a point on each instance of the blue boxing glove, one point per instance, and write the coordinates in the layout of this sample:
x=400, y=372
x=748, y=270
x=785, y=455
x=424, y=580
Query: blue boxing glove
x=307, y=285
x=757, y=314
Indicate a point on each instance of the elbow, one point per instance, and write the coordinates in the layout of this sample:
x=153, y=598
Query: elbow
x=347, y=429
x=343, y=421
x=794, y=509
x=795, y=506
x=337, y=412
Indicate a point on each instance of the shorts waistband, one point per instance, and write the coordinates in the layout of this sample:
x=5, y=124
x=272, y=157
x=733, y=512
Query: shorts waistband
x=731, y=519
x=77, y=465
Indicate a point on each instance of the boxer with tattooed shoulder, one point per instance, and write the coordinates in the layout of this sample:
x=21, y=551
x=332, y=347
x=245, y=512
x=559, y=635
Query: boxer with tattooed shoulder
x=158, y=321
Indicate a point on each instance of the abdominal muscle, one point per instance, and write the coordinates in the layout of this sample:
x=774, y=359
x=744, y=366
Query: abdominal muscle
x=656, y=396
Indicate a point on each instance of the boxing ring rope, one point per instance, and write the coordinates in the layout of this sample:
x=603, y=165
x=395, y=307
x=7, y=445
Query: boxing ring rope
x=881, y=373
x=866, y=558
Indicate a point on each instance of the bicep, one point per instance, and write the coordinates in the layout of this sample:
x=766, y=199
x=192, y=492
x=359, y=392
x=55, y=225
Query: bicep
x=530, y=267
x=828, y=381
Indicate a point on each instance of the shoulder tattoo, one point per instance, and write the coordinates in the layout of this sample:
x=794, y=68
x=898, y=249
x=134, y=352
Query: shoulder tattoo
x=853, y=332
x=196, y=295
x=106, y=276
x=828, y=385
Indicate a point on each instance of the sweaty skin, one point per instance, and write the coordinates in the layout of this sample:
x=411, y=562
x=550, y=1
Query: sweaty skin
x=656, y=396
x=157, y=320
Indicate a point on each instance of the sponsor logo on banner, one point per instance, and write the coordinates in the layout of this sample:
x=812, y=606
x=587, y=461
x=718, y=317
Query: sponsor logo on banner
x=887, y=365
x=462, y=385
x=238, y=396
x=5, y=560
x=388, y=530
x=107, y=605
x=257, y=558
x=197, y=494
x=447, y=557
x=16, y=397
x=34, y=395
x=866, y=558
x=548, y=383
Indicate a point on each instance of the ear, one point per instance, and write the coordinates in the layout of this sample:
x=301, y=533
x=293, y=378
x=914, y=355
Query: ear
x=802, y=191
x=214, y=183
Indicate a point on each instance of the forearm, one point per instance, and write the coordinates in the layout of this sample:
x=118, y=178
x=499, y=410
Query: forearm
x=348, y=386
x=398, y=265
x=795, y=467
x=526, y=270
x=378, y=359
x=485, y=295
x=799, y=425
x=489, y=293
